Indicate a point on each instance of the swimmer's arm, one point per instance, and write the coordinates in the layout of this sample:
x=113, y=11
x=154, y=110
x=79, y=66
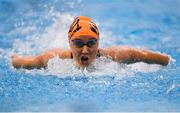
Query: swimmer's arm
x=128, y=55
x=39, y=61
x=27, y=62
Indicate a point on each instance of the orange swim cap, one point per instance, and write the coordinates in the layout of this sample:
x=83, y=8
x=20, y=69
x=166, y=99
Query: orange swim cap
x=81, y=26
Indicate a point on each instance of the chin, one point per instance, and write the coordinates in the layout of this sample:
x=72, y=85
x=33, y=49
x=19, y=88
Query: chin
x=84, y=64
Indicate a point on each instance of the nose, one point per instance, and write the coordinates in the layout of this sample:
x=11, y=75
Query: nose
x=85, y=50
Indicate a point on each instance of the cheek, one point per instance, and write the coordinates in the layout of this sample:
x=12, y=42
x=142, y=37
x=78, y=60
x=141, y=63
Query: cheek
x=93, y=52
x=73, y=49
x=75, y=52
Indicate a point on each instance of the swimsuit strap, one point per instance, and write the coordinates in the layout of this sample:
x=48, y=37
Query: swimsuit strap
x=71, y=56
x=98, y=54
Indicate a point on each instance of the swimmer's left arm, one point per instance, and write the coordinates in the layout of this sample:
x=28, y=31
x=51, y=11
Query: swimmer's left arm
x=128, y=55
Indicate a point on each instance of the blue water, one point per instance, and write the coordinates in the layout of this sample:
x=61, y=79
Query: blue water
x=29, y=27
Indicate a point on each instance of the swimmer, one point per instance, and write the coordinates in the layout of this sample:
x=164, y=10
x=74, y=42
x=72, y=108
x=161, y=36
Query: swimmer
x=83, y=41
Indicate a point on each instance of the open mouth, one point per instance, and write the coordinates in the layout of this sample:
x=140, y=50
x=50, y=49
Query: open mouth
x=84, y=59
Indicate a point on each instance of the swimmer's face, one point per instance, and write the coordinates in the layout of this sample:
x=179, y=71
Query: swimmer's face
x=84, y=49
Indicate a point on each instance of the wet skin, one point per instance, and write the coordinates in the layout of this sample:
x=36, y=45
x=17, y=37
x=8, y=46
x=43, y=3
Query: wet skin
x=85, y=55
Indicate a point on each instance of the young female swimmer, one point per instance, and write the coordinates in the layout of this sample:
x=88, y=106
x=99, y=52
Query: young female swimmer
x=84, y=40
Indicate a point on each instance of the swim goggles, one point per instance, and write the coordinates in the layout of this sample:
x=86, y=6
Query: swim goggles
x=79, y=43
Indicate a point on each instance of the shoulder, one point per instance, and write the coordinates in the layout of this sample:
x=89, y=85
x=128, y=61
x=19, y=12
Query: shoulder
x=114, y=49
x=117, y=53
x=62, y=53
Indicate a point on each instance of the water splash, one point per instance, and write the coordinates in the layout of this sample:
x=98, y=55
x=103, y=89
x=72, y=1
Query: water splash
x=55, y=36
x=101, y=67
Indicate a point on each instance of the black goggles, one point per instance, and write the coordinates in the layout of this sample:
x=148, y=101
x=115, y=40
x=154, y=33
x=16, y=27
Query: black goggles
x=79, y=43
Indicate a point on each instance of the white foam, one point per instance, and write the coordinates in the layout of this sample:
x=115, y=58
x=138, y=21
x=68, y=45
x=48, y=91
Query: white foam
x=61, y=67
x=144, y=67
x=101, y=67
x=54, y=36
x=171, y=88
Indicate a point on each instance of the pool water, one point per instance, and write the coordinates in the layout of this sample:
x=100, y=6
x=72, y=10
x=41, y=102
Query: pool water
x=34, y=26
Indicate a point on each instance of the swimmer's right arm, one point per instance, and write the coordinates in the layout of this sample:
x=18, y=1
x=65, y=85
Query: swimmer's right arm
x=39, y=61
